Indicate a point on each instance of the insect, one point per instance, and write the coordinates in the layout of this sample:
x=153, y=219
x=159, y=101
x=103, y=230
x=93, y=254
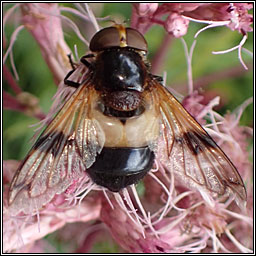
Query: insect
x=110, y=128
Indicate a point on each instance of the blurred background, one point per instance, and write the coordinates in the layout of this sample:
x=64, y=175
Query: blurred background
x=221, y=75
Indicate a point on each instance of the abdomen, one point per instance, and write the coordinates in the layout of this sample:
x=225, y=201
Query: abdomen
x=128, y=152
x=117, y=168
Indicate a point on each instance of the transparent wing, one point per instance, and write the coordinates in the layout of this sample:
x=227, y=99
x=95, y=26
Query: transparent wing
x=192, y=154
x=67, y=146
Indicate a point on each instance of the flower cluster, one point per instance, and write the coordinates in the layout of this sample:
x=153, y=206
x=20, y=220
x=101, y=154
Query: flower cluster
x=166, y=216
x=235, y=16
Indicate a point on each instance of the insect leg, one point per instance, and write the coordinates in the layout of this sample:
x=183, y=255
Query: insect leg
x=71, y=62
x=69, y=82
x=73, y=65
x=66, y=80
x=85, y=62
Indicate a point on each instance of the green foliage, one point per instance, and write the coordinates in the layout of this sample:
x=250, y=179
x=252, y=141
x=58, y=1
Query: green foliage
x=117, y=9
x=105, y=247
x=16, y=134
x=34, y=77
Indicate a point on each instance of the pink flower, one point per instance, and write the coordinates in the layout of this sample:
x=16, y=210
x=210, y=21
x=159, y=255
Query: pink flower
x=146, y=9
x=176, y=25
x=44, y=23
x=236, y=15
x=166, y=216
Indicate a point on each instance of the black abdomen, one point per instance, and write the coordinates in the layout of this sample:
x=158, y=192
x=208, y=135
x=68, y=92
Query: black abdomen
x=116, y=168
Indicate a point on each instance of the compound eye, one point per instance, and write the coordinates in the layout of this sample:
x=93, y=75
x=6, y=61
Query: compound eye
x=136, y=40
x=105, y=38
x=118, y=37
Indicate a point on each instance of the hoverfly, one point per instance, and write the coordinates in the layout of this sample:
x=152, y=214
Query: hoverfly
x=110, y=127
